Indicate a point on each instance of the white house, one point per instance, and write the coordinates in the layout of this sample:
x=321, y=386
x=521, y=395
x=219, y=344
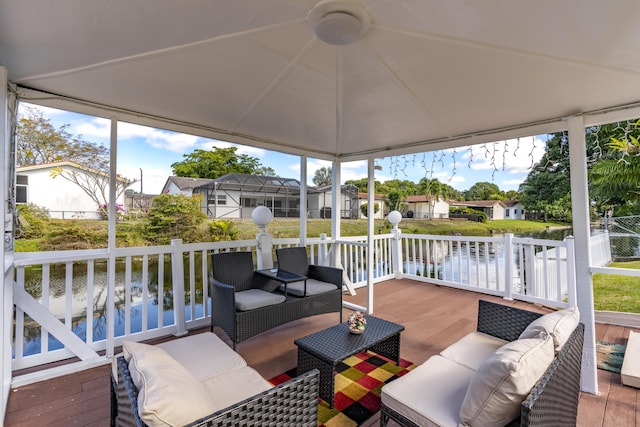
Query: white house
x=378, y=200
x=514, y=210
x=42, y=186
x=423, y=207
x=495, y=209
x=319, y=202
x=236, y=195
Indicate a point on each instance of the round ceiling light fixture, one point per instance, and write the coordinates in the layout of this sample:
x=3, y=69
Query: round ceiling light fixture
x=339, y=22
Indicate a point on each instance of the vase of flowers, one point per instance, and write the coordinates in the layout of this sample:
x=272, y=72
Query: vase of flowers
x=357, y=322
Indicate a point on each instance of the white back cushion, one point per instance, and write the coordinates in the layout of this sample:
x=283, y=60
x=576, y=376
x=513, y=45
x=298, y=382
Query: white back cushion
x=559, y=324
x=500, y=384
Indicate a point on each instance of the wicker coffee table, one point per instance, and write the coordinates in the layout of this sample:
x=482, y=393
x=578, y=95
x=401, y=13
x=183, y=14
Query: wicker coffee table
x=325, y=349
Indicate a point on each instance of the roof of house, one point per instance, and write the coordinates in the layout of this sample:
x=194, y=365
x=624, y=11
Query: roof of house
x=420, y=198
x=477, y=203
x=184, y=183
x=511, y=203
x=376, y=196
x=64, y=164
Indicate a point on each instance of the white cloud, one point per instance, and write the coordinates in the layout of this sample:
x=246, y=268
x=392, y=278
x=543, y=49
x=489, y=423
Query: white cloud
x=153, y=179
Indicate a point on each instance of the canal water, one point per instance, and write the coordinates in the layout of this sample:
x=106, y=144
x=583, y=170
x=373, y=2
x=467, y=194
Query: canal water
x=57, y=301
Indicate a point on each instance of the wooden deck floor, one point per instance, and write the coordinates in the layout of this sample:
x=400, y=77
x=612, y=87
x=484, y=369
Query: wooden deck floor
x=434, y=317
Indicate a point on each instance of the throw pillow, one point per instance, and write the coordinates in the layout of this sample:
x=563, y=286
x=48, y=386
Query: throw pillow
x=503, y=381
x=559, y=324
x=167, y=393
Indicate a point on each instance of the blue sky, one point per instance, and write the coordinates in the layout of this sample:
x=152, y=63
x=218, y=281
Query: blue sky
x=504, y=163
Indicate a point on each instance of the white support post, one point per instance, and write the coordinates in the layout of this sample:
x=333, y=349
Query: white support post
x=582, y=230
x=336, y=194
x=177, y=278
x=571, y=271
x=264, y=258
x=508, y=266
x=322, y=251
x=394, y=218
x=262, y=216
x=303, y=201
x=111, y=266
x=370, y=231
x=6, y=294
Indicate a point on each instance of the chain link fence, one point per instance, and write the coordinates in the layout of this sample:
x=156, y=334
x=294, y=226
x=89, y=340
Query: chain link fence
x=624, y=234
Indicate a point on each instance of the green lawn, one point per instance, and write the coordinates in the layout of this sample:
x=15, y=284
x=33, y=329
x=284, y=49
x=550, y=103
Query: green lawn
x=617, y=293
x=280, y=228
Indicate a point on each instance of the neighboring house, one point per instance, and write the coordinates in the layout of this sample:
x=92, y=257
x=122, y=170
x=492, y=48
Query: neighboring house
x=419, y=206
x=236, y=195
x=514, y=210
x=182, y=185
x=494, y=209
x=378, y=199
x=61, y=197
x=319, y=202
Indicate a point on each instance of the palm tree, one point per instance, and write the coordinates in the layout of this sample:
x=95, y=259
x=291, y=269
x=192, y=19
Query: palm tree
x=432, y=189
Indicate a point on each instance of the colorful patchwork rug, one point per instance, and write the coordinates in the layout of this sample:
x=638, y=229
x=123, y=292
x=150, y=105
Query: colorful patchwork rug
x=358, y=383
x=610, y=356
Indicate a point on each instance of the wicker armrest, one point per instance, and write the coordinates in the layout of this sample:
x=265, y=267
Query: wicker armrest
x=293, y=403
x=290, y=404
x=223, y=307
x=326, y=274
x=554, y=399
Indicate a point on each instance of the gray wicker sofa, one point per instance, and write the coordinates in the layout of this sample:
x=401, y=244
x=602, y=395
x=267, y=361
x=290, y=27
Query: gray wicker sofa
x=233, y=272
x=198, y=380
x=443, y=390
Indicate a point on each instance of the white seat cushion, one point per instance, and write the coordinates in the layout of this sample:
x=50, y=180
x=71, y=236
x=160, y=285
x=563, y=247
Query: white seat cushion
x=630, y=371
x=314, y=287
x=431, y=394
x=235, y=386
x=204, y=355
x=501, y=384
x=473, y=349
x=559, y=324
x=167, y=393
x=256, y=298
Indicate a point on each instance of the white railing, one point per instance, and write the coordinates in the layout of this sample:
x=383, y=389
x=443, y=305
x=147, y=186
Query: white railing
x=144, y=305
x=164, y=290
x=527, y=269
x=353, y=259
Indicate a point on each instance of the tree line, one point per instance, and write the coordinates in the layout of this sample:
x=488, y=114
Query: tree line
x=613, y=162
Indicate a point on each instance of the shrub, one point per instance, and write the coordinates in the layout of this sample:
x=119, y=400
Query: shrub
x=174, y=216
x=364, y=208
x=34, y=221
x=103, y=211
x=471, y=213
x=223, y=230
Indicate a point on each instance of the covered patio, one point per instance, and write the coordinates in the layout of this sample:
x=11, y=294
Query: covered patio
x=434, y=317
x=334, y=80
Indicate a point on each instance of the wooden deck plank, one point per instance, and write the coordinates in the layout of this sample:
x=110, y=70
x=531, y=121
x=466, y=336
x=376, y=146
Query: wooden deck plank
x=434, y=317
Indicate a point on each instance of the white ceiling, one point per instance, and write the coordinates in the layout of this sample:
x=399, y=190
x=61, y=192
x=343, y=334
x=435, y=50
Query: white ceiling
x=426, y=71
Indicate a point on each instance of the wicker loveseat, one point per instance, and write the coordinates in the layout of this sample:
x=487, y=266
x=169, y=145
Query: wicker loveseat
x=198, y=380
x=518, y=369
x=233, y=272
